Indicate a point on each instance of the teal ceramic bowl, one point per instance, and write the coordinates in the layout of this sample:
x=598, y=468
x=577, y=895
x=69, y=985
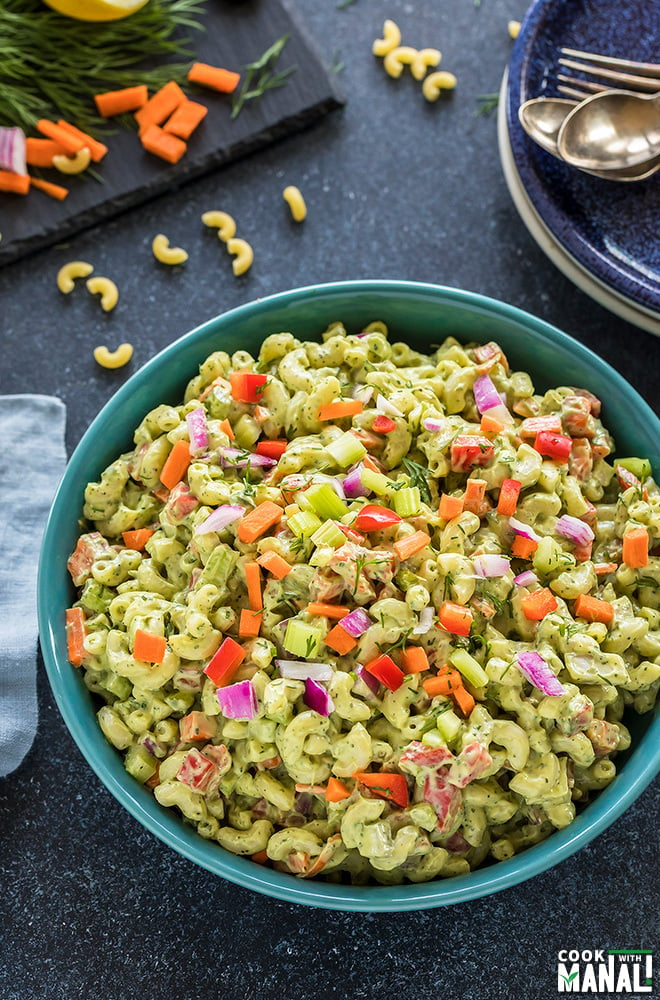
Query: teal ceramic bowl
x=421, y=315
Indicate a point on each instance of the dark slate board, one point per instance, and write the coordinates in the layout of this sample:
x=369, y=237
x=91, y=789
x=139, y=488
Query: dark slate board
x=236, y=33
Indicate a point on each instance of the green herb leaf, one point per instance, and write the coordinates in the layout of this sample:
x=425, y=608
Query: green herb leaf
x=418, y=477
x=259, y=76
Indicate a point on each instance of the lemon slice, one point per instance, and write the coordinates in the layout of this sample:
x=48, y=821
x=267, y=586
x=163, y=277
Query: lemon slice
x=96, y=10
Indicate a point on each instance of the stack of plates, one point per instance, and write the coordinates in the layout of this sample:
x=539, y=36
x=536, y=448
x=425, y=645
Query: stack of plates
x=601, y=234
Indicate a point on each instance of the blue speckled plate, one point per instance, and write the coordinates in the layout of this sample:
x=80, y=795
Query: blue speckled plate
x=610, y=229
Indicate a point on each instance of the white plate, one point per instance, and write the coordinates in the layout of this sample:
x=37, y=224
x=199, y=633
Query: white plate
x=572, y=269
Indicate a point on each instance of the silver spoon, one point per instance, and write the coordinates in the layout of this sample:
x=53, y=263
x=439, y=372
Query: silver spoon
x=612, y=130
x=542, y=119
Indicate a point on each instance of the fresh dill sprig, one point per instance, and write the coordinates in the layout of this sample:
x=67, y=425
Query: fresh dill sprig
x=259, y=76
x=85, y=59
x=418, y=477
x=487, y=104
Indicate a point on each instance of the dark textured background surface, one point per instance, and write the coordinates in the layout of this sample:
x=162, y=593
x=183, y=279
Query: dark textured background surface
x=92, y=906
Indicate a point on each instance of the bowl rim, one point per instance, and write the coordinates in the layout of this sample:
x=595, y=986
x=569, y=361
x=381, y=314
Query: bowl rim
x=106, y=763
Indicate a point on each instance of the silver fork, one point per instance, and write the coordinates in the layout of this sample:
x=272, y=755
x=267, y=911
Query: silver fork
x=644, y=76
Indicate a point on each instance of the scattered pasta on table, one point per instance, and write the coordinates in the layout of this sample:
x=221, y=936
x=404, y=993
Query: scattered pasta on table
x=166, y=254
x=113, y=359
x=296, y=203
x=106, y=289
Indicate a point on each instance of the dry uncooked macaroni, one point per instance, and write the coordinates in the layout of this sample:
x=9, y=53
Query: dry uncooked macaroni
x=73, y=164
x=345, y=604
x=242, y=253
x=113, y=359
x=296, y=203
x=106, y=289
x=69, y=272
x=163, y=252
x=221, y=221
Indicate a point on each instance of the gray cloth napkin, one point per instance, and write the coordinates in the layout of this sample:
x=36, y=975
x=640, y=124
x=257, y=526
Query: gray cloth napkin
x=32, y=460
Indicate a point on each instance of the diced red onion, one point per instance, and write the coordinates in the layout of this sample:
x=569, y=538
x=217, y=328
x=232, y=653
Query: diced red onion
x=12, y=150
x=220, y=518
x=338, y=487
x=526, y=578
x=238, y=701
x=299, y=670
x=490, y=564
x=372, y=682
x=434, y=424
x=425, y=623
x=353, y=485
x=356, y=623
x=574, y=529
x=538, y=672
x=197, y=431
x=384, y=406
x=486, y=395
x=523, y=529
x=317, y=698
x=363, y=393
x=233, y=458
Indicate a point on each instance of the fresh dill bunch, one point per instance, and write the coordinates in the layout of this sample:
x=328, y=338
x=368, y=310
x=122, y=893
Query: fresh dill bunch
x=52, y=66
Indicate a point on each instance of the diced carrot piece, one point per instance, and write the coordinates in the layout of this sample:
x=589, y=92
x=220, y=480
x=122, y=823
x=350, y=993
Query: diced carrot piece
x=137, y=539
x=523, y=548
x=71, y=143
x=225, y=81
x=592, y=609
x=327, y=610
x=414, y=660
x=14, y=183
x=450, y=507
x=508, y=498
x=455, y=618
x=538, y=604
x=197, y=726
x=40, y=152
x=160, y=106
x=636, y=548
x=56, y=191
x=249, y=625
x=410, y=544
x=340, y=640
x=75, y=635
x=275, y=564
x=118, y=102
x=185, y=119
x=336, y=790
x=253, y=580
x=444, y=683
x=603, y=569
x=260, y=858
x=463, y=699
x=386, y=785
x=227, y=429
x=341, y=408
x=176, y=464
x=160, y=143
x=489, y=425
x=97, y=150
x=259, y=521
x=149, y=647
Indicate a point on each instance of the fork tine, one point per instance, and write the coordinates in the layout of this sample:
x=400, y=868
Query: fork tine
x=644, y=83
x=579, y=88
x=612, y=62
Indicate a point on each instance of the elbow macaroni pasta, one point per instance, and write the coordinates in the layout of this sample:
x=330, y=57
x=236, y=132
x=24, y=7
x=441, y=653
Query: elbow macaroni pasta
x=69, y=272
x=296, y=203
x=106, y=289
x=113, y=359
x=166, y=254
x=221, y=221
x=242, y=253
x=374, y=766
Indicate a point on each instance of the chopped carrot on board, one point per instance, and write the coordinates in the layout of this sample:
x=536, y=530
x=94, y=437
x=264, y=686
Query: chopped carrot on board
x=214, y=77
x=118, y=102
x=185, y=119
x=96, y=149
x=52, y=190
x=162, y=144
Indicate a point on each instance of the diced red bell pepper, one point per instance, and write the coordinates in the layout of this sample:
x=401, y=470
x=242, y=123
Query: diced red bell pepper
x=554, y=446
x=226, y=661
x=196, y=770
x=446, y=799
x=385, y=670
x=247, y=387
x=532, y=426
x=625, y=477
x=89, y=547
x=508, y=498
x=372, y=517
x=272, y=449
x=383, y=424
x=470, y=450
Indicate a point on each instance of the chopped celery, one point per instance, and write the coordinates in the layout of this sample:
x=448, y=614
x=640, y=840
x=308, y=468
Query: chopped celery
x=640, y=467
x=121, y=687
x=376, y=482
x=346, y=450
x=329, y=534
x=448, y=725
x=407, y=501
x=246, y=431
x=179, y=701
x=433, y=739
x=321, y=556
x=140, y=763
x=221, y=564
x=303, y=524
x=302, y=639
x=325, y=501
x=469, y=667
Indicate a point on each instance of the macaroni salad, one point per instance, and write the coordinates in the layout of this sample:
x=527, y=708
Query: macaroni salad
x=364, y=613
